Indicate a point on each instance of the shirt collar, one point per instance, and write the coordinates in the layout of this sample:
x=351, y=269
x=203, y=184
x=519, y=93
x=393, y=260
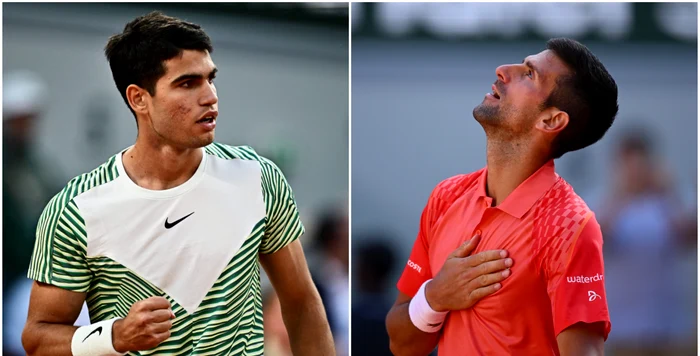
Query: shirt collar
x=527, y=193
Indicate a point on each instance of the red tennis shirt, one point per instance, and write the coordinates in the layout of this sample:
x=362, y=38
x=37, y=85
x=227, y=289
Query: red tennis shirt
x=557, y=274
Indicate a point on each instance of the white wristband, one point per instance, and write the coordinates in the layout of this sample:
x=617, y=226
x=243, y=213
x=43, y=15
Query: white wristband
x=94, y=340
x=422, y=315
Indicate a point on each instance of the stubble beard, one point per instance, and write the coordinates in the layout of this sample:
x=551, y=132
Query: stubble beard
x=203, y=141
x=487, y=114
x=494, y=120
x=169, y=135
x=490, y=117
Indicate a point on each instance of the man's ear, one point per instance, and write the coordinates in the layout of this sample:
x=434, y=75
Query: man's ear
x=553, y=121
x=138, y=98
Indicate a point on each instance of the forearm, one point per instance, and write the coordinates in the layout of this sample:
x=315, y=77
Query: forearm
x=307, y=326
x=404, y=338
x=48, y=339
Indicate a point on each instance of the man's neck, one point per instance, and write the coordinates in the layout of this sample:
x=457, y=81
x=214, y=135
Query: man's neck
x=160, y=166
x=509, y=164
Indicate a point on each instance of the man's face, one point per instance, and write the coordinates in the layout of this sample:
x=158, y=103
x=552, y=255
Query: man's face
x=184, y=108
x=519, y=93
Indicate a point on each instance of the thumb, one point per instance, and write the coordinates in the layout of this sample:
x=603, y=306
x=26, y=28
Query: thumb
x=467, y=247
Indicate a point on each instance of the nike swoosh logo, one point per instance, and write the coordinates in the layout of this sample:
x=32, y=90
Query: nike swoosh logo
x=98, y=331
x=169, y=225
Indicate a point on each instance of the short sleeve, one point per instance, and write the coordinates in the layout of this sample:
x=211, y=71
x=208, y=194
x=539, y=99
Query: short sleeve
x=59, y=256
x=283, y=224
x=417, y=269
x=576, y=282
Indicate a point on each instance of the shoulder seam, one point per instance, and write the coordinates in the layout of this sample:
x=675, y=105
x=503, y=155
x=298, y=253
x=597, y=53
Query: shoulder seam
x=228, y=152
x=74, y=188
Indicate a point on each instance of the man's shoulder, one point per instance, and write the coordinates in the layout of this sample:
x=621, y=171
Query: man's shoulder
x=84, y=182
x=453, y=187
x=78, y=185
x=243, y=152
x=230, y=152
x=561, y=199
x=560, y=213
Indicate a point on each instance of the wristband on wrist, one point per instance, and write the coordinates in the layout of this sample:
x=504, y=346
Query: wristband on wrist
x=94, y=340
x=422, y=315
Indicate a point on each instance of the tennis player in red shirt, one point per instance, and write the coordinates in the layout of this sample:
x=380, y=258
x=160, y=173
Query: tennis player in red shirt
x=508, y=259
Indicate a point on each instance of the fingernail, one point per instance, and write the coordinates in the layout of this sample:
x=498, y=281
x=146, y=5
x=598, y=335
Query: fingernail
x=509, y=262
x=497, y=286
x=506, y=273
x=504, y=254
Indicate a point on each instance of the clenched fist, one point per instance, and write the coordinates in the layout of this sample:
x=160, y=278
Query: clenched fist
x=145, y=327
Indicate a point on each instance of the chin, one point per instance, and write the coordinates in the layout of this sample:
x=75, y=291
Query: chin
x=208, y=140
x=485, y=113
x=202, y=141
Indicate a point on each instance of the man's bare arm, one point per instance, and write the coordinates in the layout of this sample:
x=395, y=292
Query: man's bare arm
x=52, y=313
x=302, y=308
x=405, y=339
x=462, y=281
x=582, y=339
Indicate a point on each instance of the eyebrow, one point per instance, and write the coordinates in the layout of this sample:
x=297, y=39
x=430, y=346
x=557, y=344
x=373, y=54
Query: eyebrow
x=529, y=64
x=190, y=76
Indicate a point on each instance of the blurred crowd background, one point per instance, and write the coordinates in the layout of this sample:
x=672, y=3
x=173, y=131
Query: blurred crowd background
x=283, y=89
x=419, y=69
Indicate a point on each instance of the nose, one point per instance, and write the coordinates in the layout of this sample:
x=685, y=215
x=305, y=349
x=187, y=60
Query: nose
x=209, y=96
x=503, y=73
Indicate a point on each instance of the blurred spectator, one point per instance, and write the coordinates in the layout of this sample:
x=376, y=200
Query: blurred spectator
x=330, y=273
x=276, y=337
x=28, y=183
x=373, y=261
x=646, y=227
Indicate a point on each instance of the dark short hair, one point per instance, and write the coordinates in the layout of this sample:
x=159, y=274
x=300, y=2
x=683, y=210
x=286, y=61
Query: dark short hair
x=588, y=94
x=137, y=55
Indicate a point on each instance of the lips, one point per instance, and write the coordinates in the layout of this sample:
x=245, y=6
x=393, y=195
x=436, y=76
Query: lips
x=495, y=91
x=208, y=117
